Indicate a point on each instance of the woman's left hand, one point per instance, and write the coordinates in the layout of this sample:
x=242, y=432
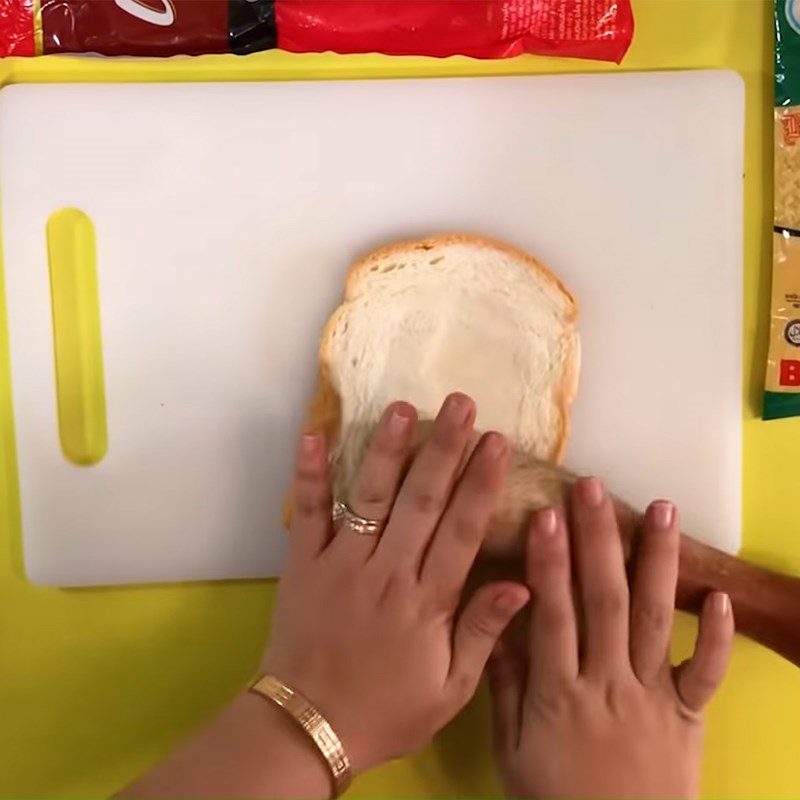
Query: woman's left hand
x=598, y=710
x=368, y=627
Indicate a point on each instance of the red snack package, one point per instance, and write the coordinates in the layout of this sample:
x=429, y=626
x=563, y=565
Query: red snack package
x=598, y=29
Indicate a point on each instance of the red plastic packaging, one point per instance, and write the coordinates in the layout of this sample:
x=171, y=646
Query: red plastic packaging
x=596, y=29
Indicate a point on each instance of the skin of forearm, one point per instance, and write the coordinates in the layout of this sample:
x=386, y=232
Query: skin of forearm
x=252, y=749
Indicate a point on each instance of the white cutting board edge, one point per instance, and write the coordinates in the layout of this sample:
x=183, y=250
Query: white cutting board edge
x=261, y=166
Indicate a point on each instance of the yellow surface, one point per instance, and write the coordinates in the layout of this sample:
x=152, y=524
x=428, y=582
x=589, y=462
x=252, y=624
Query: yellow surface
x=95, y=684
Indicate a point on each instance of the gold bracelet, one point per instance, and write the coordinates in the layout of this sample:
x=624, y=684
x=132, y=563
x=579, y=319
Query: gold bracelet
x=313, y=723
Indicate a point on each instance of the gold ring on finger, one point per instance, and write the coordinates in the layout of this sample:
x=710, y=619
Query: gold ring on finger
x=344, y=515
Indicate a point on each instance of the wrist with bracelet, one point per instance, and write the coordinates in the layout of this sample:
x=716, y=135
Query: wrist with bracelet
x=313, y=724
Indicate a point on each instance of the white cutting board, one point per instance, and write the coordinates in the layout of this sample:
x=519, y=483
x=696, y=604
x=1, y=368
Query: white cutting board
x=226, y=216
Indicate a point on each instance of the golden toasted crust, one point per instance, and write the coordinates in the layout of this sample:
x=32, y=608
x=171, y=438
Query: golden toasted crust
x=325, y=409
x=431, y=242
x=569, y=389
x=324, y=417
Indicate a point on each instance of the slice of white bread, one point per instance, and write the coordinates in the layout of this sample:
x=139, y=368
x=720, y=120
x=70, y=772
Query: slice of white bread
x=424, y=318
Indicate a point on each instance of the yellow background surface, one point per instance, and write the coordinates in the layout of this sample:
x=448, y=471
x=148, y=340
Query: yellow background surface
x=96, y=684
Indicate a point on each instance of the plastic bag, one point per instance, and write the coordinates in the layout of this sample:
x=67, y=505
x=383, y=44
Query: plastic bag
x=597, y=29
x=782, y=395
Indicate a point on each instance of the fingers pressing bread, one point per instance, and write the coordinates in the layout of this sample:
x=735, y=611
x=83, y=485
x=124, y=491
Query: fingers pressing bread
x=601, y=574
x=653, y=595
x=426, y=489
x=379, y=477
x=382, y=469
x=462, y=529
x=554, y=658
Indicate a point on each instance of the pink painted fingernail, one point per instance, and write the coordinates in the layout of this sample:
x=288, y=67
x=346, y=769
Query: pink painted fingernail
x=662, y=514
x=458, y=407
x=591, y=492
x=399, y=420
x=547, y=522
x=495, y=444
x=310, y=444
x=721, y=603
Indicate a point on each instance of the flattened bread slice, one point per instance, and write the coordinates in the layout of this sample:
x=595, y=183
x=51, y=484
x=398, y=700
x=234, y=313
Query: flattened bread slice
x=424, y=318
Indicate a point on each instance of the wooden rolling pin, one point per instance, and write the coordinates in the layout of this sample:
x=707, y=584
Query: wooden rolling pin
x=766, y=604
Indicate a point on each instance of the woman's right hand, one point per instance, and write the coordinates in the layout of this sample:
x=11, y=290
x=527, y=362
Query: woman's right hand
x=368, y=627
x=607, y=716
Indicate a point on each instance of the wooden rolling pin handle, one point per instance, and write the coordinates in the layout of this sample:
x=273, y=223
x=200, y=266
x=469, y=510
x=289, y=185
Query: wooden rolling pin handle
x=766, y=605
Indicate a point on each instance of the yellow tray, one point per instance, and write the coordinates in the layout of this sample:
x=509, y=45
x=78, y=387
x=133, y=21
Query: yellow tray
x=96, y=684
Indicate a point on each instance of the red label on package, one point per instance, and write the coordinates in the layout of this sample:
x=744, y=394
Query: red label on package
x=599, y=29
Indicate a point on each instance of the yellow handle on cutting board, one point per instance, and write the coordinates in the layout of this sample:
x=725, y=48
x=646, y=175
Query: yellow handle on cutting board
x=80, y=384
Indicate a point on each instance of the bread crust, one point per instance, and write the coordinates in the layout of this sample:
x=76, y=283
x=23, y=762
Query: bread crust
x=325, y=410
x=324, y=415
